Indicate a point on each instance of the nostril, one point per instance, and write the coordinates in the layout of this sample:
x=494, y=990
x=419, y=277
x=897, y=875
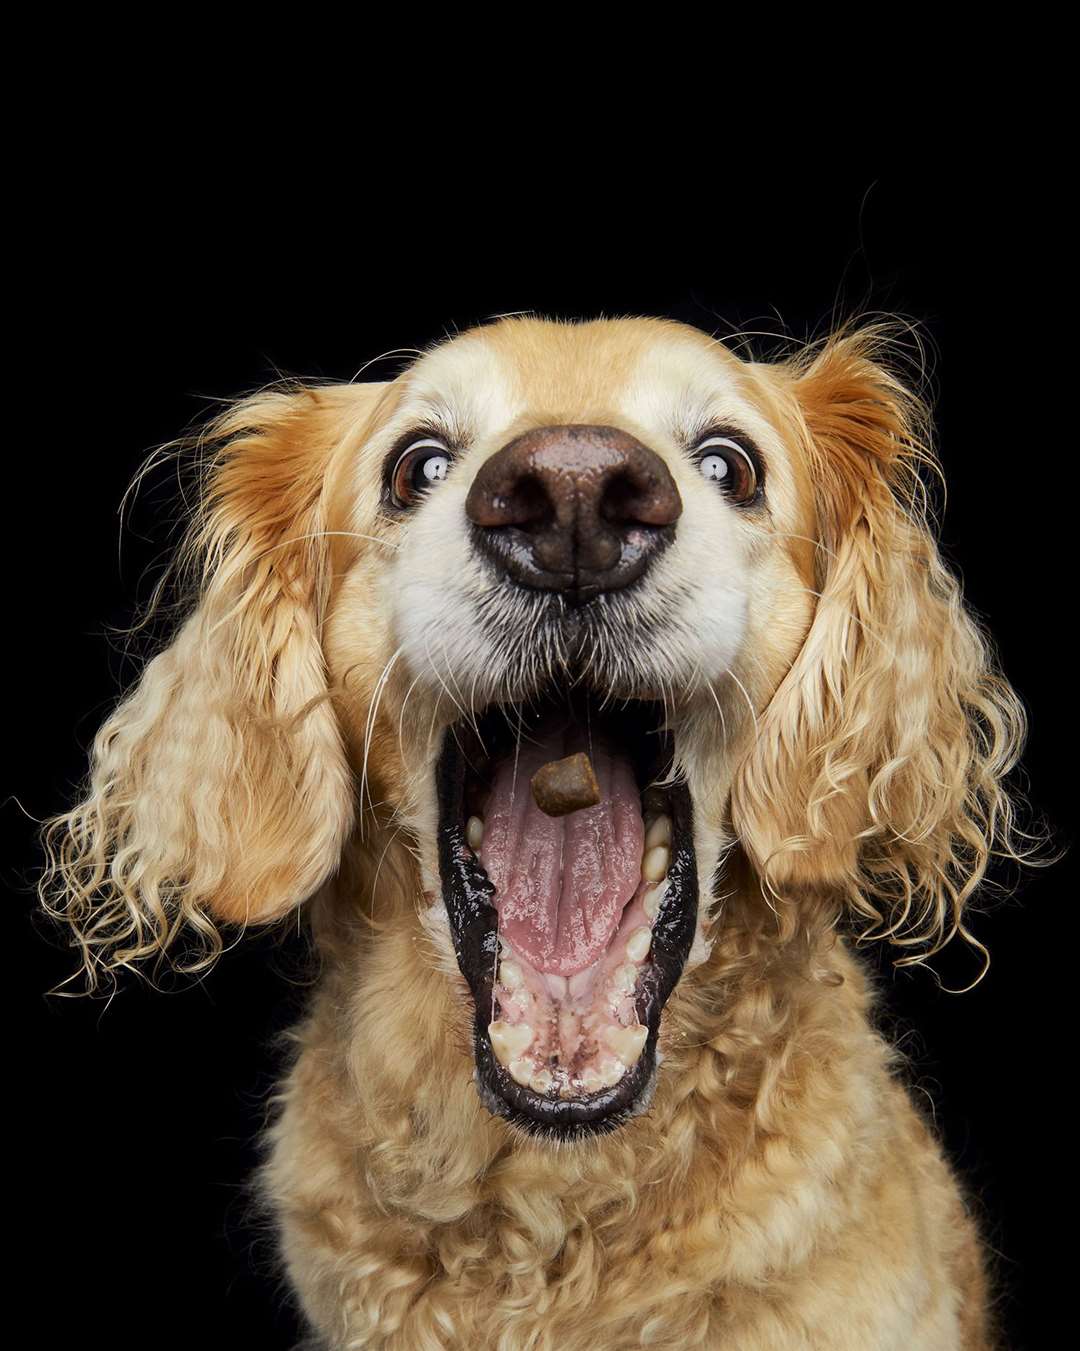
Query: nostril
x=640, y=495
x=621, y=501
x=530, y=507
x=617, y=500
x=511, y=497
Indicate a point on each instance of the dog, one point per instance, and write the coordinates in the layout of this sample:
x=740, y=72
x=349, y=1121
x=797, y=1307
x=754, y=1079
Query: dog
x=605, y=1079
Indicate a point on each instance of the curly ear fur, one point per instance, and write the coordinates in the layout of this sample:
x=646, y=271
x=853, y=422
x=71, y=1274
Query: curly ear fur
x=876, y=778
x=219, y=787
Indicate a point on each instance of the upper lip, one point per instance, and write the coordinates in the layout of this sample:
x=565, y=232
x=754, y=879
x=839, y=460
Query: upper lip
x=467, y=893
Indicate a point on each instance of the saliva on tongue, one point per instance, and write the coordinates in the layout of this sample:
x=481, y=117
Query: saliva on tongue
x=562, y=883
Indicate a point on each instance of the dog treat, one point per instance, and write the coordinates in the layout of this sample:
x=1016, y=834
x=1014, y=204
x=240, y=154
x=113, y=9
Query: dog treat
x=564, y=786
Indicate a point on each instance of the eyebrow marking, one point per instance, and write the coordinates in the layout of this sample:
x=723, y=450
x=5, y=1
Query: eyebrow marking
x=433, y=415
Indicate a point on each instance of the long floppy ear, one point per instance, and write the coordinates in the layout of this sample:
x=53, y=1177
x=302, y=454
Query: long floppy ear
x=219, y=787
x=876, y=776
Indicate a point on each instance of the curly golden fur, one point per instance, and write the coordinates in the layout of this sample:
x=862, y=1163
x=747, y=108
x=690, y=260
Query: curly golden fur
x=847, y=772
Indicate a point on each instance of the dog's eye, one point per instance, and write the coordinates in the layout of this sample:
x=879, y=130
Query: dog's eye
x=723, y=461
x=425, y=463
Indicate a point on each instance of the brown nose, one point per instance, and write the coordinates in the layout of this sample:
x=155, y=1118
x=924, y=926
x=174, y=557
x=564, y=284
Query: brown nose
x=574, y=509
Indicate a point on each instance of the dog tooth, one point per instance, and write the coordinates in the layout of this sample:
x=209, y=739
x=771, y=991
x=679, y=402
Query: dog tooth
x=521, y=1071
x=557, y=986
x=509, y=1041
x=627, y=1042
x=541, y=1081
x=611, y=1071
x=659, y=832
x=624, y=979
x=511, y=975
x=650, y=902
x=638, y=944
x=591, y=1082
x=474, y=833
x=654, y=865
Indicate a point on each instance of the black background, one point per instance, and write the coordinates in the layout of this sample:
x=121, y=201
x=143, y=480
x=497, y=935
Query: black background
x=133, y=315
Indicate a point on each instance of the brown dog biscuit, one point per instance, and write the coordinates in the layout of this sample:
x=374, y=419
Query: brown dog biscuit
x=564, y=786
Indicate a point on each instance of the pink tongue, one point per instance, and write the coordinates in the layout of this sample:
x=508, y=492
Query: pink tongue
x=561, y=883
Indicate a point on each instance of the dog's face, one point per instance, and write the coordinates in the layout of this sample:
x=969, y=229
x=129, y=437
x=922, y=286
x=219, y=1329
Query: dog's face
x=593, y=537
x=710, y=575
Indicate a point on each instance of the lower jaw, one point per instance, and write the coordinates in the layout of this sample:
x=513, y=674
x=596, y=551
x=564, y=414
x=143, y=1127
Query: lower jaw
x=536, y=1087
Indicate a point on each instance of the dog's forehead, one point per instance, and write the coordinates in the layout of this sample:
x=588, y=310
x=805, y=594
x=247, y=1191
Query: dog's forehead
x=648, y=371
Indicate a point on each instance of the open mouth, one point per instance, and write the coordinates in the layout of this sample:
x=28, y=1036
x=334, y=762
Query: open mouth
x=571, y=930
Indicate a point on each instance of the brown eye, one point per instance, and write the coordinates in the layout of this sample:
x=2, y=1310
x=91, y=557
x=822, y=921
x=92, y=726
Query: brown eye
x=423, y=465
x=723, y=461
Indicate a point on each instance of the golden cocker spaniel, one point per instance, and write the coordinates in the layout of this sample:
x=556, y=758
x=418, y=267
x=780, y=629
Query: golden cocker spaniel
x=589, y=1071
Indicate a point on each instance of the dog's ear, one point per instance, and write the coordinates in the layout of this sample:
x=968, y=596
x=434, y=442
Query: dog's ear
x=876, y=774
x=219, y=788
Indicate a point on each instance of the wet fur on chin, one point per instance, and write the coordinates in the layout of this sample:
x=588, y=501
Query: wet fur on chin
x=781, y=1191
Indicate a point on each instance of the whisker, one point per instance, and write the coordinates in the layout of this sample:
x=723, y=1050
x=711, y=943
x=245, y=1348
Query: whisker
x=466, y=713
x=472, y=712
x=723, y=720
x=404, y=705
x=746, y=696
x=326, y=534
x=431, y=725
x=379, y=865
x=808, y=539
x=370, y=726
x=438, y=677
x=385, y=356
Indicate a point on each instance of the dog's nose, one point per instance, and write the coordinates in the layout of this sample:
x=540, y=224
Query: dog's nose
x=575, y=509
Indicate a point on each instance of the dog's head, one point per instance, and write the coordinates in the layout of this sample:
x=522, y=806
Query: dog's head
x=713, y=576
